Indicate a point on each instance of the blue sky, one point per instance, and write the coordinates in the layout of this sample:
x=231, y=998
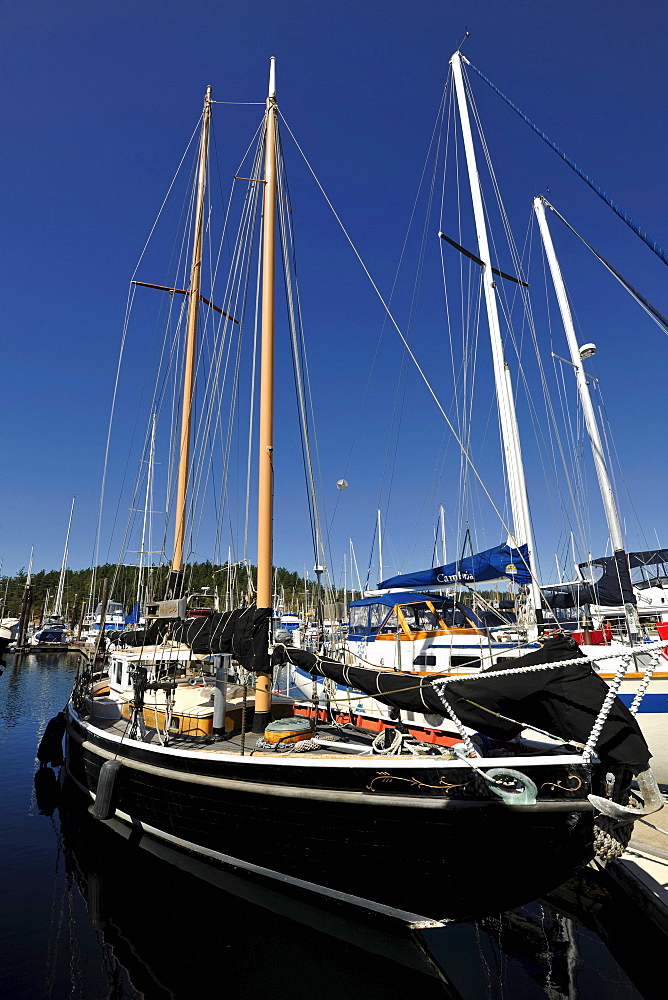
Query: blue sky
x=98, y=102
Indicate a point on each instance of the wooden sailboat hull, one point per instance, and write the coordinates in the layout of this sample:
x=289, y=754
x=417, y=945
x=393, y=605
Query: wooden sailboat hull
x=384, y=830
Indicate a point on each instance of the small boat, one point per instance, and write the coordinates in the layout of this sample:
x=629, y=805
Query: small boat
x=181, y=740
x=114, y=621
x=8, y=632
x=54, y=631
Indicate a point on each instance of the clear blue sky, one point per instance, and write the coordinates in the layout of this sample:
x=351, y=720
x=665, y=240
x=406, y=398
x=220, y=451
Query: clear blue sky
x=97, y=102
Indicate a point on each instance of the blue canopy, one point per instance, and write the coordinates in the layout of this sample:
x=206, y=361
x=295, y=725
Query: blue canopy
x=403, y=597
x=503, y=562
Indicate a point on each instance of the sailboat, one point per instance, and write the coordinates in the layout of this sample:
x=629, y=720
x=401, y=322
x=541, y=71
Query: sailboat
x=177, y=744
x=54, y=629
x=412, y=622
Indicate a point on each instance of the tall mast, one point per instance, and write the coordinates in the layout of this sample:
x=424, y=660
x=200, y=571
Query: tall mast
x=266, y=442
x=519, y=500
x=63, y=568
x=380, y=549
x=604, y=481
x=189, y=366
x=444, y=551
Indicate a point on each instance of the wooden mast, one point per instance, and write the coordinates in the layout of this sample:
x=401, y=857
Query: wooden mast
x=266, y=442
x=175, y=584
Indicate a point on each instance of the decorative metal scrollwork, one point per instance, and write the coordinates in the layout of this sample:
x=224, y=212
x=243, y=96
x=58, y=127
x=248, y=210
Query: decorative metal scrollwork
x=442, y=785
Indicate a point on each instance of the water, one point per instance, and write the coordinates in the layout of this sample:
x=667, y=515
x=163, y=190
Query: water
x=86, y=914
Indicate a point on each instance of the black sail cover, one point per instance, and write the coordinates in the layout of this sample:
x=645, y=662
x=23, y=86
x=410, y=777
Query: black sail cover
x=243, y=632
x=564, y=702
x=612, y=588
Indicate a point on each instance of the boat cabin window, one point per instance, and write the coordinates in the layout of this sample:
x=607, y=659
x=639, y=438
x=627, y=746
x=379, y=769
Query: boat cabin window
x=457, y=615
x=377, y=615
x=368, y=619
x=392, y=623
x=359, y=619
x=113, y=608
x=420, y=617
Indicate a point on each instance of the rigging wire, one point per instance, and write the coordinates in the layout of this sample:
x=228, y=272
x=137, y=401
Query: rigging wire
x=400, y=333
x=652, y=244
x=128, y=307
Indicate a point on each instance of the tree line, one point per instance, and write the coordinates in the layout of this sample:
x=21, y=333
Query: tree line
x=233, y=585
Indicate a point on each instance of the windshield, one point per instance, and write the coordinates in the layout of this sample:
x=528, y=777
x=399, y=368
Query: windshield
x=420, y=617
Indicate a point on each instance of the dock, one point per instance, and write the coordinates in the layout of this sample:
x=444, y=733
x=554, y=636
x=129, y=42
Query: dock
x=642, y=871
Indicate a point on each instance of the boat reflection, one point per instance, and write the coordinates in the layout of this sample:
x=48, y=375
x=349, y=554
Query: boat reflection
x=169, y=926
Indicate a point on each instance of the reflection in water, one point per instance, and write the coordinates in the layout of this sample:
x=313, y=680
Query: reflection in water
x=91, y=914
x=165, y=932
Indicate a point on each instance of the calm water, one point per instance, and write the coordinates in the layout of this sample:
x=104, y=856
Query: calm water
x=85, y=914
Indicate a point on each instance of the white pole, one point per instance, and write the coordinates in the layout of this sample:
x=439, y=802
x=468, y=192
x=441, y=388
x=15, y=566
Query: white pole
x=604, y=481
x=609, y=504
x=353, y=559
x=443, y=544
x=345, y=588
x=380, y=551
x=63, y=569
x=509, y=430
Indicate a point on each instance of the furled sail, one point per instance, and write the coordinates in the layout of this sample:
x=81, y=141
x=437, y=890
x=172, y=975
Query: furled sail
x=502, y=562
x=564, y=701
x=243, y=632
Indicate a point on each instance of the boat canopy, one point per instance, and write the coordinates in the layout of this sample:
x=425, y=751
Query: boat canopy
x=606, y=583
x=392, y=599
x=502, y=562
x=655, y=557
x=371, y=615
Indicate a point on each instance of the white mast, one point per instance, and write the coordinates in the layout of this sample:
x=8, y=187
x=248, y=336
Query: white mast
x=441, y=511
x=611, y=513
x=519, y=501
x=57, y=608
x=380, y=551
x=604, y=481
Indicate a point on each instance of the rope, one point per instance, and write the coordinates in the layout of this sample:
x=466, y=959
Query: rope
x=588, y=751
x=405, y=743
x=611, y=838
x=644, y=684
x=466, y=739
x=302, y=746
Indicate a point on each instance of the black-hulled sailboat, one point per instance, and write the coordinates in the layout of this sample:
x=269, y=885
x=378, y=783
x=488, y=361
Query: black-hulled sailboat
x=167, y=743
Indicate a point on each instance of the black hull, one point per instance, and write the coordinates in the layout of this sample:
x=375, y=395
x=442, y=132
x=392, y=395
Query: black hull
x=420, y=852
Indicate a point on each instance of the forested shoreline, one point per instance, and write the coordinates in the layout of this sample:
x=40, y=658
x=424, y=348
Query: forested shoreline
x=235, y=583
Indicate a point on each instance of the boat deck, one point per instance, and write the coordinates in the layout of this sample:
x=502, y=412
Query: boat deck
x=233, y=743
x=338, y=742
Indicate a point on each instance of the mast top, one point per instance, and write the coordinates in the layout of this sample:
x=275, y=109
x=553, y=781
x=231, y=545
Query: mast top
x=272, y=79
